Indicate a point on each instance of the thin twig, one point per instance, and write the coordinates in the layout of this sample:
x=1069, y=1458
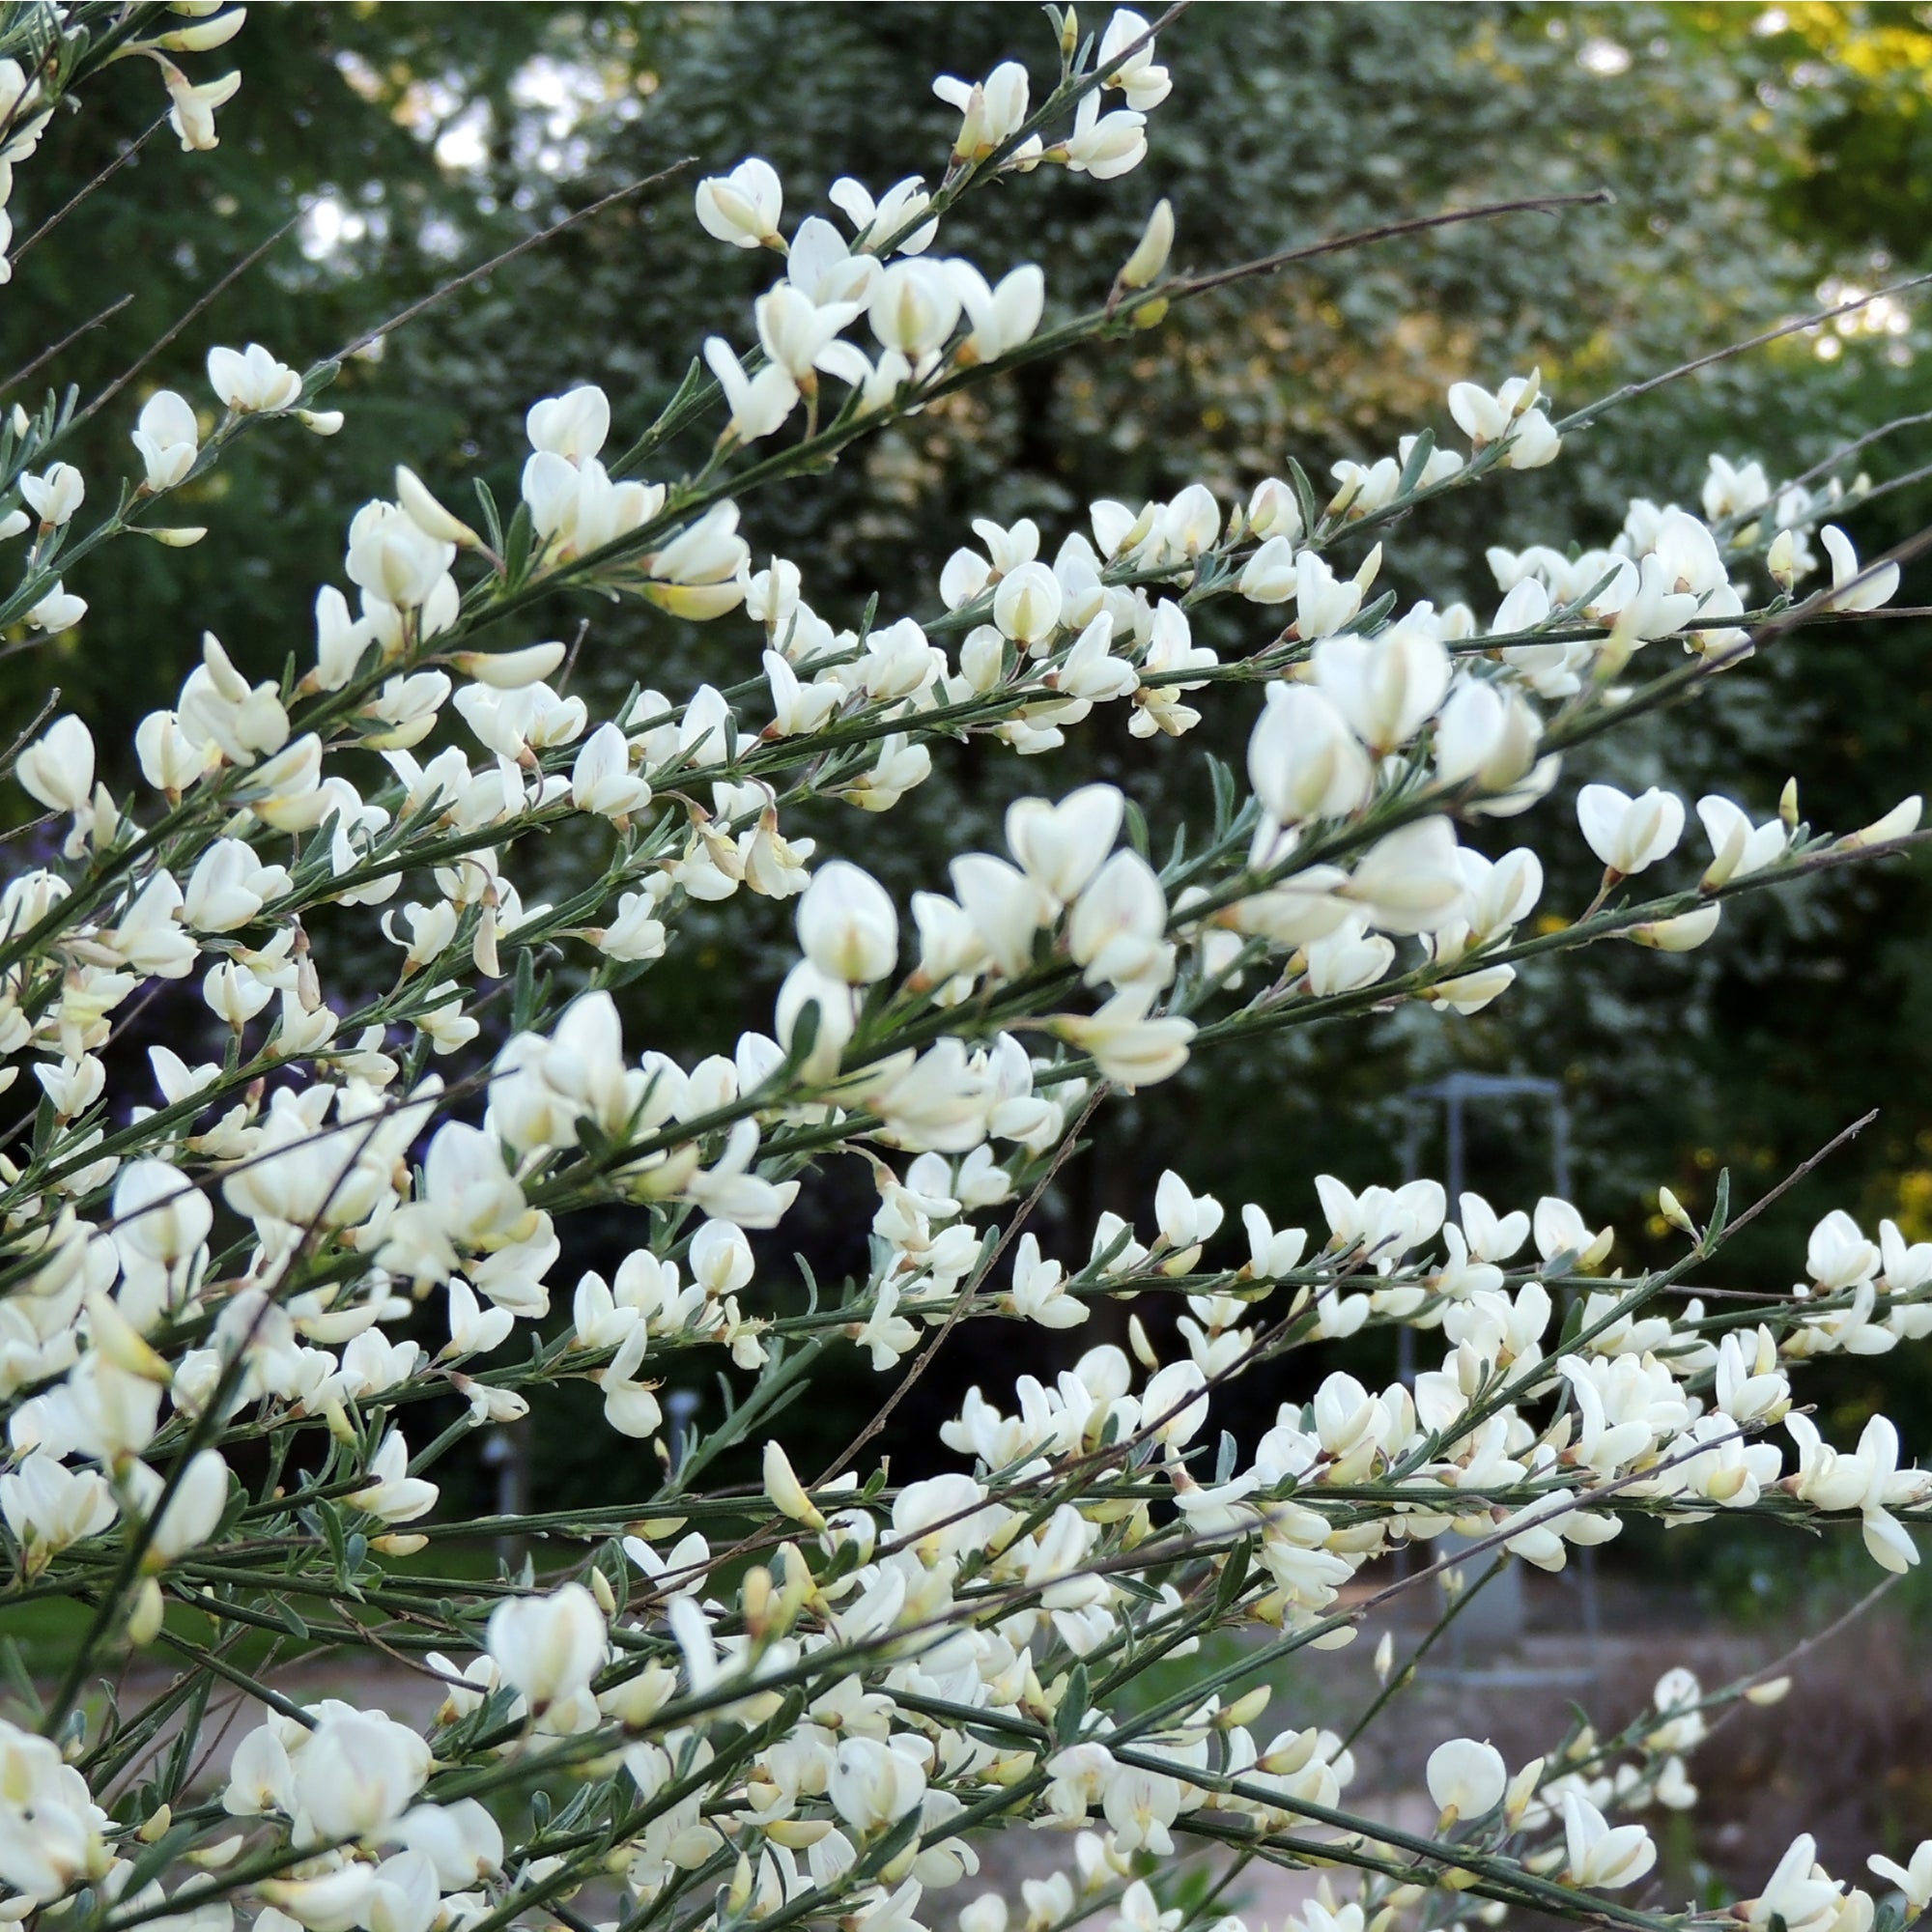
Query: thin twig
x=195, y=310
x=1780, y=1665
x=20, y=743
x=510, y=254
x=570, y=656
x=1886, y=489
x=1799, y=1173
x=1060, y=1157
x=1266, y=265
x=74, y=200
x=1850, y=449
x=72, y=336
x=1588, y=414
x=21, y=832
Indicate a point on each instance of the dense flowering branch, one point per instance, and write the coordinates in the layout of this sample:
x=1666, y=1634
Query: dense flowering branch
x=806, y=1702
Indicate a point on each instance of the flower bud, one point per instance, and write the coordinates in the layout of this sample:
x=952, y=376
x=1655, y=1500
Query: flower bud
x=510, y=671
x=429, y=515
x=1245, y=1710
x=1151, y=252
x=1521, y=1789
x=785, y=1492
x=1683, y=934
x=1900, y=822
x=144, y=1626
x=1673, y=1209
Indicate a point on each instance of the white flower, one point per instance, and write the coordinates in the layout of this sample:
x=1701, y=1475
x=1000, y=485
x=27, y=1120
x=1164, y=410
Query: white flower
x=1105, y=146
x=1466, y=1781
x=822, y=266
x=357, y=1771
x=549, y=1647
x=56, y=497
x=1913, y=1881
x=1388, y=688
x=194, y=1511
x=1838, y=1256
x=1630, y=834
x=462, y=1841
x=1062, y=846
x=1599, y=1856
x=601, y=779
x=58, y=611
x=48, y=1506
x=1136, y=74
x=757, y=404
x=168, y=438
x=1303, y=762
x=992, y=111
x=1038, y=1291
x=252, y=382
x=1798, y=1892
x=1878, y=587
x=1119, y=929
x=393, y=557
x=1738, y=848
x=192, y=108
x=1410, y=881
x=158, y=1212
x=742, y=208
x=904, y=201
x=1127, y=1044
x=871, y=1785
x=1004, y=318
x=847, y=924
x=913, y=308
x=572, y=425
x=58, y=767
x=801, y=336
x=393, y=1495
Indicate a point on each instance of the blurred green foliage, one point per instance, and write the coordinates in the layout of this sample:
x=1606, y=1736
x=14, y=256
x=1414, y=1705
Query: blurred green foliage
x=1754, y=157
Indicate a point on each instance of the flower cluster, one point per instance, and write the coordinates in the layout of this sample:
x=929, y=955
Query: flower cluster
x=43, y=57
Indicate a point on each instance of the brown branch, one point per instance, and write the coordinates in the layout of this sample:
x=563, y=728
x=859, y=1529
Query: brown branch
x=196, y=309
x=74, y=200
x=1061, y=1154
x=72, y=336
x=510, y=254
x=1798, y=1173
x=1778, y=1665
x=1588, y=414
x=1266, y=265
x=1850, y=449
x=11, y=755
